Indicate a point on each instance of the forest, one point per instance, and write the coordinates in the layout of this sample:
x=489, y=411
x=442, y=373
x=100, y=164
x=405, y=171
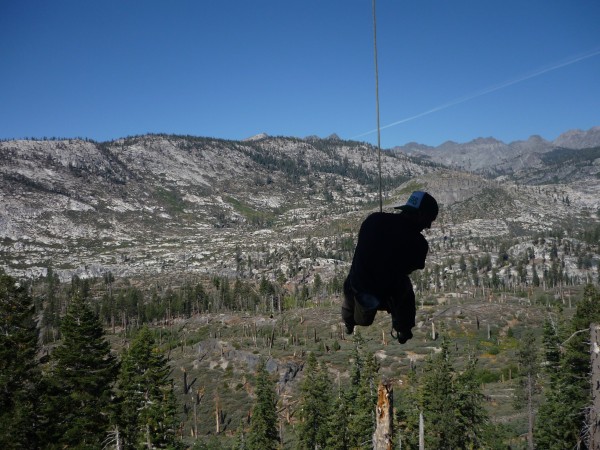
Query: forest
x=126, y=364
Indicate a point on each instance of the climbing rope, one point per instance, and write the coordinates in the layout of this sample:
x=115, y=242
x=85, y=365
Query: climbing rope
x=377, y=107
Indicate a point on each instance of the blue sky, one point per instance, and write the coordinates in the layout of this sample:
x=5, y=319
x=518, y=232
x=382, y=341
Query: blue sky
x=448, y=70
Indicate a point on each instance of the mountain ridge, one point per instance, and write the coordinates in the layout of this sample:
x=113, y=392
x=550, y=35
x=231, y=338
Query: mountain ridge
x=490, y=155
x=168, y=204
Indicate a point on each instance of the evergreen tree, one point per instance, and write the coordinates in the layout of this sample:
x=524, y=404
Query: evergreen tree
x=239, y=442
x=19, y=370
x=78, y=385
x=314, y=406
x=362, y=396
x=535, y=277
x=552, y=333
x=472, y=420
x=263, y=424
x=437, y=392
x=147, y=410
x=451, y=403
x=407, y=412
x=528, y=385
x=562, y=415
x=337, y=438
x=51, y=314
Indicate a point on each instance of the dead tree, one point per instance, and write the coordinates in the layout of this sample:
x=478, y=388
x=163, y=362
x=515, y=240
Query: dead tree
x=421, y=432
x=594, y=413
x=382, y=438
x=218, y=414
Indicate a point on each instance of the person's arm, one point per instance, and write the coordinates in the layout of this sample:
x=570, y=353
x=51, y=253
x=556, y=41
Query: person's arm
x=416, y=255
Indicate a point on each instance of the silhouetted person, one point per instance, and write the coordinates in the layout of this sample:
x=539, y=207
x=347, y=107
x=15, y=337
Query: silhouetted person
x=390, y=246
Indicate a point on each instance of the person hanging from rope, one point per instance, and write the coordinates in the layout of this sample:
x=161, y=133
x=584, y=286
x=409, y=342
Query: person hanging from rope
x=390, y=246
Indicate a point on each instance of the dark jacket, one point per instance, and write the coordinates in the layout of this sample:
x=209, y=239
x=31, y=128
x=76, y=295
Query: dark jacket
x=389, y=248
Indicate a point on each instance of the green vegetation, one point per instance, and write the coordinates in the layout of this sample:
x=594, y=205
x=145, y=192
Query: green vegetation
x=262, y=219
x=170, y=199
x=561, y=156
x=208, y=352
x=19, y=369
x=77, y=383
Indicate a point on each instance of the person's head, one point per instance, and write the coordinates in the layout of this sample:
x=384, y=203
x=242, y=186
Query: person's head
x=421, y=207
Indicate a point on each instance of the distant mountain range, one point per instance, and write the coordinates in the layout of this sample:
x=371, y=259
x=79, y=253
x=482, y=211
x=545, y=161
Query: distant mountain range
x=489, y=155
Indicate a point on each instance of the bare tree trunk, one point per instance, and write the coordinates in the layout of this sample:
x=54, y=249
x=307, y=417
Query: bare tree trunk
x=217, y=415
x=421, y=432
x=382, y=438
x=195, y=429
x=530, y=412
x=198, y=398
x=594, y=414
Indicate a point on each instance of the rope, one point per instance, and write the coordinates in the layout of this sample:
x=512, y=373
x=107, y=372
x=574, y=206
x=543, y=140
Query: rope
x=377, y=107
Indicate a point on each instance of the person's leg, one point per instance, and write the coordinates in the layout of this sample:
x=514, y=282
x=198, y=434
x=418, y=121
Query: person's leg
x=403, y=310
x=348, y=307
x=365, y=309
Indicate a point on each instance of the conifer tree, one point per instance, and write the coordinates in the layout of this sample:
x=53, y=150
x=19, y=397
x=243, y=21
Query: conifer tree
x=552, y=333
x=147, y=409
x=51, y=313
x=78, y=386
x=314, y=406
x=528, y=385
x=19, y=370
x=437, y=392
x=562, y=415
x=362, y=396
x=239, y=443
x=471, y=417
x=407, y=412
x=451, y=403
x=337, y=437
x=263, y=424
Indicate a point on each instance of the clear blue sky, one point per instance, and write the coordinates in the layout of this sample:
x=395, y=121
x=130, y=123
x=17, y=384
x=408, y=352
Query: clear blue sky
x=448, y=70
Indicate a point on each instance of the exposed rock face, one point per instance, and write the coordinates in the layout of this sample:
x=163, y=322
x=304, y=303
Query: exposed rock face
x=579, y=138
x=157, y=203
x=163, y=204
x=488, y=155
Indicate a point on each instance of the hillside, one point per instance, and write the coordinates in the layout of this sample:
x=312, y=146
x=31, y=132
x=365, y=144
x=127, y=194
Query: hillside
x=167, y=204
x=233, y=251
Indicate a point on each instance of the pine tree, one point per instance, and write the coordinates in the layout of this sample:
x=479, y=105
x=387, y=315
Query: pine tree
x=51, y=314
x=528, y=385
x=452, y=407
x=337, y=425
x=552, y=333
x=362, y=396
x=78, y=386
x=239, y=443
x=19, y=369
x=263, y=424
x=561, y=418
x=314, y=406
x=437, y=392
x=147, y=409
x=407, y=412
x=471, y=417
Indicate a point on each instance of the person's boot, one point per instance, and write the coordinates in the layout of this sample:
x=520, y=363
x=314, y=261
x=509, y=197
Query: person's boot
x=404, y=336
